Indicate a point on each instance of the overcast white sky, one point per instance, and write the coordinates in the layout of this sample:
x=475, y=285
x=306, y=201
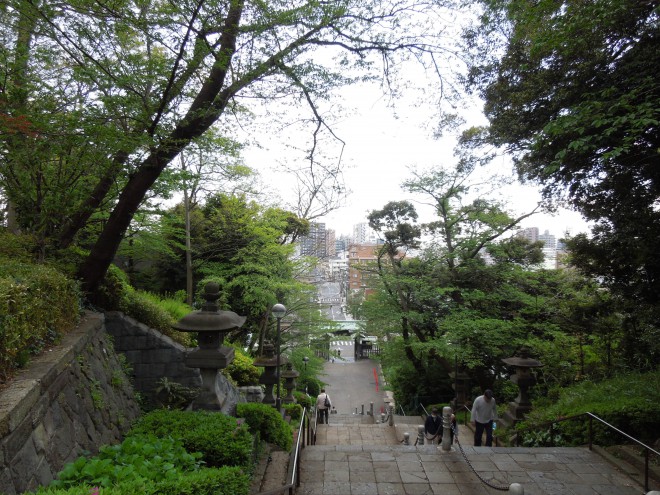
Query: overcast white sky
x=382, y=144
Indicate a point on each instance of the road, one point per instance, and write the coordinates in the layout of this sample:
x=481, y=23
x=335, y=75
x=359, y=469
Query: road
x=352, y=384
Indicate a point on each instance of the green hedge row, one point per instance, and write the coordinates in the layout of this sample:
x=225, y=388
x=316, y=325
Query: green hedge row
x=166, y=452
x=221, y=440
x=628, y=402
x=38, y=305
x=268, y=422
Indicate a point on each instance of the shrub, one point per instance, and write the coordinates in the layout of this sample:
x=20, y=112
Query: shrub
x=267, y=422
x=294, y=411
x=216, y=481
x=137, y=457
x=627, y=402
x=219, y=437
x=304, y=400
x=38, y=305
x=241, y=370
x=17, y=247
x=116, y=294
x=206, y=481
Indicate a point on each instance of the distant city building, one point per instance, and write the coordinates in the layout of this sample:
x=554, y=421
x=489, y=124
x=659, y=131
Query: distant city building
x=548, y=239
x=549, y=245
x=331, y=247
x=314, y=244
x=531, y=234
x=337, y=267
x=363, y=234
x=359, y=255
x=341, y=244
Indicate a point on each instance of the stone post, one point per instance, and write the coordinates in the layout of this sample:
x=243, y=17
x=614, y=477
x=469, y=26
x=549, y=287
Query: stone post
x=420, y=435
x=446, y=428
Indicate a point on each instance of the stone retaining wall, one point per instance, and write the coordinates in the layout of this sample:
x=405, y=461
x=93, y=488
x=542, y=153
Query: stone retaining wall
x=154, y=356
x=73, y=398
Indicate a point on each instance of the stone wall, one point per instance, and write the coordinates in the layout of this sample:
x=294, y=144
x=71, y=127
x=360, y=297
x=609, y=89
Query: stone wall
x=151, y=355
x=73, y=398
x=80, y=395
x=154, y=356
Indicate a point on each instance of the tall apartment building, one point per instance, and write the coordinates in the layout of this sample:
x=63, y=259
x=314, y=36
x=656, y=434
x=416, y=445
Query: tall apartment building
x=314, y=244
x=530, y=233
x=342, y=244
x=363, y=234
x=359, y=255
x=549, y=245
x=330, y=244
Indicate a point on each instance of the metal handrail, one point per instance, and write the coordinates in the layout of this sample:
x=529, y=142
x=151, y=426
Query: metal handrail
x=293, y=474
x=591, y=416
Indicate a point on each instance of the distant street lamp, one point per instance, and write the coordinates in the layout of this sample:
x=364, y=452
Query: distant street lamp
x=278, y=311
x=305, y=359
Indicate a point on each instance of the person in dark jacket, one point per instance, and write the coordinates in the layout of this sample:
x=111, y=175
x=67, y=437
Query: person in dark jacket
x=433, y=427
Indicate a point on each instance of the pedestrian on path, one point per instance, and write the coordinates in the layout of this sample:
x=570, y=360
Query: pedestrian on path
x=484, y=412
x=432, y=427
x=323, y=405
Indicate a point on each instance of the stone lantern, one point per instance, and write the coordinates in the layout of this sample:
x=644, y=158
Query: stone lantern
x=289, y=376
x=269, y=377
x=210, y=324
x=524, y=378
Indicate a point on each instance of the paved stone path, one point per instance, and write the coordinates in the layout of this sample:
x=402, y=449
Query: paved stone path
x=356, y=456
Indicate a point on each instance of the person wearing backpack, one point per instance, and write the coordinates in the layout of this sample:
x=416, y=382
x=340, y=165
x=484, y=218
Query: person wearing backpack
x=323, y=406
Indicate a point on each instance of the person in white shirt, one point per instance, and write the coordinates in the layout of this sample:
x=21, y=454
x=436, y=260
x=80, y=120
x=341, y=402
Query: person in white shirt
x=323, y=408
x=483, y=414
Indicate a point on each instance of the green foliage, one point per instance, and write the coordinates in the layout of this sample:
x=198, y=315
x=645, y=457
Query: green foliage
x=267, y=422
x=219, y=437
x=294, y=411
x=573, y=95
x=16, y=247
x=628, y=402
x=205, y=481
x=304, y=399
x=137, y=457
x=38, y=305
x=241, y=370
x=116, y=294
x=216, y=481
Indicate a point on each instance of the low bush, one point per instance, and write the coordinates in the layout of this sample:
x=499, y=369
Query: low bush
x=267, y=422
x=294, y=411
x=628, y=402
x=205, y=481
x=304, y=400
x=241, y=370
x=219, y=437
x=116, y=294
x=136, y=458
x=38, y=305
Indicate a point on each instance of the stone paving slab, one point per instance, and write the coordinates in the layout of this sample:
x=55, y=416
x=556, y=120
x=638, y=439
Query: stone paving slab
x=426, y=470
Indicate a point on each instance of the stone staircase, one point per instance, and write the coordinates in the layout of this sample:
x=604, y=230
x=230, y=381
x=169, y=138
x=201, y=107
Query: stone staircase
x=354, y=455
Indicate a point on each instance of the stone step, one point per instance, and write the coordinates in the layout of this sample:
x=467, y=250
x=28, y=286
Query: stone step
x=407, y=470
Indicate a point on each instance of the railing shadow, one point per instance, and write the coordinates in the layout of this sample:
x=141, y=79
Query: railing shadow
x=518, y=436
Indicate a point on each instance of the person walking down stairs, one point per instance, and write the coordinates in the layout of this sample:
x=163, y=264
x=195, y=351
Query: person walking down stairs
x=323, y=405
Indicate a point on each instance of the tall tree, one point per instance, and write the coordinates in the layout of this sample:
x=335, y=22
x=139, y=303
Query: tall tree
x=572, y=92
x=151, y=77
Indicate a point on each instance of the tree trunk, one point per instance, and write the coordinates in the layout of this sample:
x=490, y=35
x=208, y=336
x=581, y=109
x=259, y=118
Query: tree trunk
x=204, y=111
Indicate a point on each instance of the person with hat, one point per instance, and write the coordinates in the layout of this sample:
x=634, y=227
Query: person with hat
x=484, y=412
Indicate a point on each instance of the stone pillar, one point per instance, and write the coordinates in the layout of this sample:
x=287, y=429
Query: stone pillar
x=420, y=435
x=446, y=428
x=289, y=376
